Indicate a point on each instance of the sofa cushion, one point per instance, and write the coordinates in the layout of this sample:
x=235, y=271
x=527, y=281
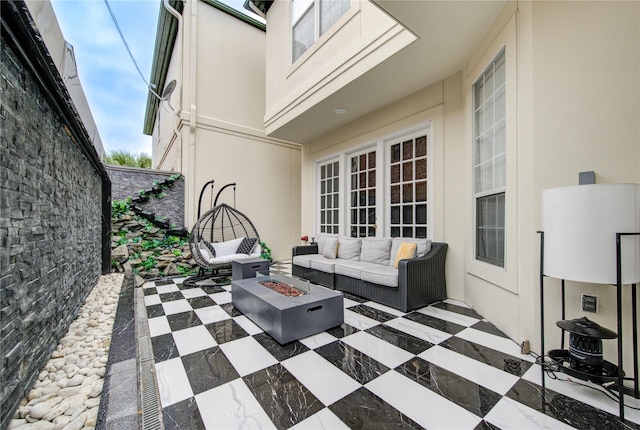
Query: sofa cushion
x=229, y=247
x=305, y=260
x=321, y=238
x=424, y=246
x=375, y=250
x=405, y=251
x=348, y=268
x=349, y=248
x=330, y=248
x=381, y=275
x=324, y=264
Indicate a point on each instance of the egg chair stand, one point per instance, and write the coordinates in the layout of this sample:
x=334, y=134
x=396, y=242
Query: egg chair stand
x=220, y=225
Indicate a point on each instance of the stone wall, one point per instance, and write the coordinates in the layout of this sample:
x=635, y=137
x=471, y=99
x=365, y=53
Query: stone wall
x=50, y=226
x=128, y=181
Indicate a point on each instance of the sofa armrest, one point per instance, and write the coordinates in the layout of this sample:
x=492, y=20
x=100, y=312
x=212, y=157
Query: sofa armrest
x=304, y=249
x=423, y=279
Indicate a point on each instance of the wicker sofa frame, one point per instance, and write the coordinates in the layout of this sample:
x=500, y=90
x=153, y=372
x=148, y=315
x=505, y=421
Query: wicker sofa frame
x=421, y=281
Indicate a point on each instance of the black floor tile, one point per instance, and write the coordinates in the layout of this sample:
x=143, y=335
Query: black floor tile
x=487, y=327
x=183, y=320
x=169, y=297
x=437, y=323
x=457, y=309
x=208, y=369
x=182, y=415
x=364, y=410
x=201, y=302
x=354, y=363
x=164, y=347
x=374, y=314
x=284, y=399
x=226, y=331
x=155, y=311
x=342, y=330
x=280, y=352
x=473, y=397
x=400, y=339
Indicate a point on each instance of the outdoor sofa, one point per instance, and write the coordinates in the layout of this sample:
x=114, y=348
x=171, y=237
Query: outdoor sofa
x=404, y=277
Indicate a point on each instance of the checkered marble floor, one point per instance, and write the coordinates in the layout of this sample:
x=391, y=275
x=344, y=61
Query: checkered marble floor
x=442, y=366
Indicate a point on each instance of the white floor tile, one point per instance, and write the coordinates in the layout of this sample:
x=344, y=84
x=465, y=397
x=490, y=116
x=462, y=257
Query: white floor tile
x=457, y=303
x=376, y=348
x=314, y=372
x=163, y=289
x=453, y=317
x=347, y=303
x=471, y=369
x=173, y=383
x=153, y=299
x=248, y=325
x=325, y=419
x=232, y=406
x=508, y=414
x=247, y=355
x=158, y=326
x=418, y=330
x=211, y=314
x=358, y=321
x=422, y=405
x=193, y=339
x=318, y=340
x=176, y=307
x=497, y=343
x=190, y=293
x=221, y=298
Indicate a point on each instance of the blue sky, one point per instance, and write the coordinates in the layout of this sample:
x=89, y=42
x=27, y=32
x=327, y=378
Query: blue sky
x=114, y=89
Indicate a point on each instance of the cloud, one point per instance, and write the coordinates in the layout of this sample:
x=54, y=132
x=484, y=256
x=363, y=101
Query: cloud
x=113, y=87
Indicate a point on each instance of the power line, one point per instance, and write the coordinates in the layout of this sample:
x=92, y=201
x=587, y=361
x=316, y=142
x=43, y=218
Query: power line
x=115, y=21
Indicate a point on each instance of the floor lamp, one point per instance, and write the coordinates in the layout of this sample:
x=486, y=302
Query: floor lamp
x=591, y=233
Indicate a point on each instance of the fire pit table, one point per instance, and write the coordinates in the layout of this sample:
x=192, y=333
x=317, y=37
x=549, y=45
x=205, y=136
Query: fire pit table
x=286, y=308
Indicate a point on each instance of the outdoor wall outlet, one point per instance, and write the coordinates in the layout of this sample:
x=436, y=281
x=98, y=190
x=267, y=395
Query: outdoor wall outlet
x=589, y=303
x=524, y=347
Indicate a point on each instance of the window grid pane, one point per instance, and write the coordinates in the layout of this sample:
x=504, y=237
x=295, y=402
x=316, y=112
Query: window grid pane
x=329, y=197
x=303, y=34
x=330, y=11
x=489, y=146
x=363, y=209
x=408, y=188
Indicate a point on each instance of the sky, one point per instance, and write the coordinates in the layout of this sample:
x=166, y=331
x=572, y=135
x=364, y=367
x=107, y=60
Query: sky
x=116, y=93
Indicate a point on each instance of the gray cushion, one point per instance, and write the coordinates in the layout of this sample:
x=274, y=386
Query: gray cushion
x=376, y=250
x=349, y=248
x=324, y=264
x=330, y=248
x=348, y=268
x=424, y=246
x=305, y=260
x=381, y=275
x=321, y=238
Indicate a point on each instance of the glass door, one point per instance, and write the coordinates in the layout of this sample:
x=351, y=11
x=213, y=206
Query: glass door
x=362, y=194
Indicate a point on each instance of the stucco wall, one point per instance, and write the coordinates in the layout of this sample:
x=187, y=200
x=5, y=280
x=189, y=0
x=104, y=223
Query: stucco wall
x=50, y=227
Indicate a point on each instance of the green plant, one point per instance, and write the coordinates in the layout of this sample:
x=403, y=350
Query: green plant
x=122, y=241
x=149, y=263
x=162, y=195
x=266, y=252
x=185, y=271
x=120, y=207
x=177, y=252
x=126, y=158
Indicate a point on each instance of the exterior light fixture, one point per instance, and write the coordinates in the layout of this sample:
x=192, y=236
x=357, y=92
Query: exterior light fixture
x=340, y=111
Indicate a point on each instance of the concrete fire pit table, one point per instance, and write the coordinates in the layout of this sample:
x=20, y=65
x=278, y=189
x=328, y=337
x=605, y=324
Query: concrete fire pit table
x=283, y=317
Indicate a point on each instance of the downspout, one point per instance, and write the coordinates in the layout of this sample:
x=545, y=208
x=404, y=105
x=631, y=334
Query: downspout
x=176, y=113
x=193, y=45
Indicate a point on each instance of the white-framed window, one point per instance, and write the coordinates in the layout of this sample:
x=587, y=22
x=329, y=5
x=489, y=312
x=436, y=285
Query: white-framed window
x=329, y=196
x=363, y=205
x=310, y=19
x=490, y=162
x=408, y=169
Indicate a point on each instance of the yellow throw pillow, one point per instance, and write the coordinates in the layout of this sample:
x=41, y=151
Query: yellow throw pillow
x=406, y=250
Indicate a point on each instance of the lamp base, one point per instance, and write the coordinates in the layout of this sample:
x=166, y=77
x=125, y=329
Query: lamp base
x=608, y=372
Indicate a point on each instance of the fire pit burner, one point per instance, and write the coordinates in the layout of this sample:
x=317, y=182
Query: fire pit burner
x=282, y=288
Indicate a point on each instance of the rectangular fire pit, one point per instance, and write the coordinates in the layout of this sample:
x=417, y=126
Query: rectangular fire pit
x=287, y=309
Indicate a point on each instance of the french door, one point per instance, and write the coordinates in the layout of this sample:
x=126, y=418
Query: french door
x=362, y=193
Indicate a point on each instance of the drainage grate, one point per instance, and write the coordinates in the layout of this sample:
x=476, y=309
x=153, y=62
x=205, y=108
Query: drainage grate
x=150, y=408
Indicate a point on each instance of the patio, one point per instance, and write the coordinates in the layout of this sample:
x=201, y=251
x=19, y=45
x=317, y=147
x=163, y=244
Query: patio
x=442, y=366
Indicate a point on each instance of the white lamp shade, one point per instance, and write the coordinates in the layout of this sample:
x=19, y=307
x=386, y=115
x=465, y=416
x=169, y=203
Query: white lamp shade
x=580, y=225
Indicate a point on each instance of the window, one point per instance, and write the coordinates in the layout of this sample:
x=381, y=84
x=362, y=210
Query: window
x=489, y=167
x=362, y=192
x=310, y=19
x=408, y=187
x=329, y=197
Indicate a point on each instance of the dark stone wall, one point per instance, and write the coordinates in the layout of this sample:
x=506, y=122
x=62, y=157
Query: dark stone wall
x=128, y=181
x=50, y=229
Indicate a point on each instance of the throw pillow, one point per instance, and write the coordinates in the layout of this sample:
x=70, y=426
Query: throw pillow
x=330, y=248
x=406, y=250
x=349, y=248
x=247, y=245
x=376, y=250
